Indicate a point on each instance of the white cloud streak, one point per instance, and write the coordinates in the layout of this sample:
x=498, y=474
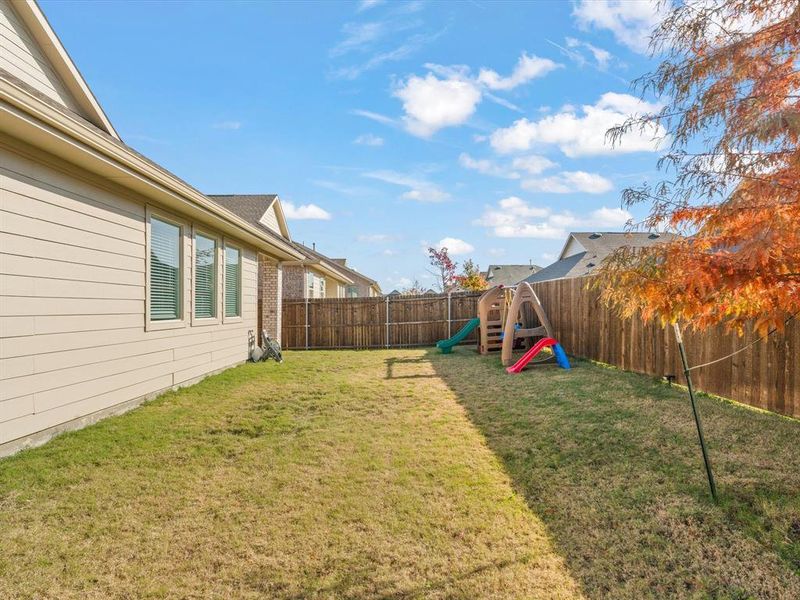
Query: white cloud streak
x=513, y=217
x=582, y=133
x=305, y=212
x=418, y=190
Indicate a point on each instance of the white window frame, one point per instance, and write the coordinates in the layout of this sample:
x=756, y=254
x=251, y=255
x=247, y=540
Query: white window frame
x=219, y=284
x=161, y=215
x=228, y=243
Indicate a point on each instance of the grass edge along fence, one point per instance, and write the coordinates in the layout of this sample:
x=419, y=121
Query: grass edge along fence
x=766, y=375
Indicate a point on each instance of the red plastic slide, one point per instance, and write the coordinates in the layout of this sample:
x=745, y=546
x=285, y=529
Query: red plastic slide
x=526, y=358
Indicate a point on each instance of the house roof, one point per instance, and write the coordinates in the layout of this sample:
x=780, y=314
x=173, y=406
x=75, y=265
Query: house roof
x=252, y=207
x=59, y=59
x=39, y=120
x=583, y=252
x=328, y=265
x=509, y=274
x=342, y=263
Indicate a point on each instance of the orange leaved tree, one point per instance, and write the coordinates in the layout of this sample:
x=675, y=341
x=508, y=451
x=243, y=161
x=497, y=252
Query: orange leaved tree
x=729, y=75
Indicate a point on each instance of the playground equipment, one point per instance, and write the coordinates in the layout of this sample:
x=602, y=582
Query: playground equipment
x=446, y=346
x=507, y=318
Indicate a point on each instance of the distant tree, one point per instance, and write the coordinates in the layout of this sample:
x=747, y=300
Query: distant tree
x=471, y=278
x=415, y=289
x=731, y=81
x=443, y=268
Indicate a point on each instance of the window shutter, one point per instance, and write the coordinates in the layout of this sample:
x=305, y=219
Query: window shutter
x=165, y=270
x=205, y=273
x=233, y=282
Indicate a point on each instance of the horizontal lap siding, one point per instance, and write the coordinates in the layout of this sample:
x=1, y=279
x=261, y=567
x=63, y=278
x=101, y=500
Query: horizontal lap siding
x=21, y=56
x=72, y=301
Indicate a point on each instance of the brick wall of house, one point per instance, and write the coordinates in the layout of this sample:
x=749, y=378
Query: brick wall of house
x=270, y=293
x=294, y=281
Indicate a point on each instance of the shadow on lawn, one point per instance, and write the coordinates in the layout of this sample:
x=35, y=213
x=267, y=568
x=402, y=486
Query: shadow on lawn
x=395, y=368
x=609, y=462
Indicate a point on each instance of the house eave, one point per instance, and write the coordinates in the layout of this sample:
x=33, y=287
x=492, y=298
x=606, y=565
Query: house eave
x=27, y=117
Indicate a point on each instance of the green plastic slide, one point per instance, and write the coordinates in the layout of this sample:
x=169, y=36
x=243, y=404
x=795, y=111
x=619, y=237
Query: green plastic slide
x=446, y=346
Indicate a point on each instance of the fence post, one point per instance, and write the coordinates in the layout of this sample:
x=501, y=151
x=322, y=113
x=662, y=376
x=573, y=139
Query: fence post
x=387, y=321
x=306, y=327
x=449, y=296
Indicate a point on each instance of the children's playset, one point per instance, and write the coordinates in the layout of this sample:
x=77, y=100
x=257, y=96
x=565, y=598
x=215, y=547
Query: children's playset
x=505, y=325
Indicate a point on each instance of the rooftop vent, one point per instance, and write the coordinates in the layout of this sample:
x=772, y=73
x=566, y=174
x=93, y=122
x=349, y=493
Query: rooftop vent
x=654, y=236
x=590, y=264
x=595, y=235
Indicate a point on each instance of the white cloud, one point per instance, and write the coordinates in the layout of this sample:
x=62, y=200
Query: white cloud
x=373, y=116
x=496, y=252
x=390, y=252
x=449, y=95
x=486, y=167
x=602, y=57
x=367, y=4
x=569, y=181
x=519, y=208
x=514, y=218
x=358, y=36
x=583, y=134
x=419, y=190
x=230, y=125
x=305, y=212
x=407, y=48
x=632, y=23
x=368, y=139
x=526, y=69
x=533, y=164
x=455, y=246
x=431, y=103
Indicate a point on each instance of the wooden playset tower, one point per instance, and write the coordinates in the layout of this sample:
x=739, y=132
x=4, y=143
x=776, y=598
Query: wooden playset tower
x=503, y=319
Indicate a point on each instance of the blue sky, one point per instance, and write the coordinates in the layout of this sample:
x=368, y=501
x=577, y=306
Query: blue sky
x=384, y=126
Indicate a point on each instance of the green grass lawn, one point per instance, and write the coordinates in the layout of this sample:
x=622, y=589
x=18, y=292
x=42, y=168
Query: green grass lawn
x=407, y=474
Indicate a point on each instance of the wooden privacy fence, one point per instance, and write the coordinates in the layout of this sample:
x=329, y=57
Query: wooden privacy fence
x=385, y=322
x=765, y=375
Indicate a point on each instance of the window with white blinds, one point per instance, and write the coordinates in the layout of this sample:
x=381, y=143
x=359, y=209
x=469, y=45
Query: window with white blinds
x=233, y=282
x=165, y=270
x=205, y=277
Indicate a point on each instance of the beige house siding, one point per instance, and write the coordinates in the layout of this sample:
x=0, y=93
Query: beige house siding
x=22, y=57
x=72, y=300
x=270, y=220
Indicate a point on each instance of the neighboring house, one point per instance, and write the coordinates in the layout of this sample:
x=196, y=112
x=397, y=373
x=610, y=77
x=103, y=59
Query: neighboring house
x=118, y=281
x=509, y=274
x=362, y=286
x=264, y=212
x=583, y=252
x=314, y=276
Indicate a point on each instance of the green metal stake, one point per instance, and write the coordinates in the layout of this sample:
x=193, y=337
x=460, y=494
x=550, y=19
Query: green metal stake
x=698, y=422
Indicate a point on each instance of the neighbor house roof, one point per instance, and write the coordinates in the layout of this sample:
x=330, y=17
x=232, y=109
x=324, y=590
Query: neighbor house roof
x=342, y=262
x=328, y=265
x=583, y=252
x=509, y=274
x=253, y=208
